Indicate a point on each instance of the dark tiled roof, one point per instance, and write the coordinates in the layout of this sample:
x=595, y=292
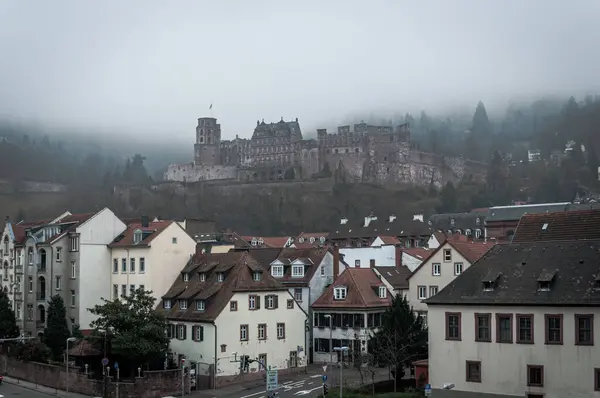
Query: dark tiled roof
x=379, y=227
x=311, y=257
x=395, y=276
x=420, y=253
x=238, y=267
x=267, y=241
x=389, y=240
x=362, y=284
x=303, y=241
x=264, y=256
x=154, y=228
x=452, y=221
x=514, y=213
x=568, y=225
x=519, y=266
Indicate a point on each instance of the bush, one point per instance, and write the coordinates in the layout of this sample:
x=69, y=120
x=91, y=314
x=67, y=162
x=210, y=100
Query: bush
x=32, y=351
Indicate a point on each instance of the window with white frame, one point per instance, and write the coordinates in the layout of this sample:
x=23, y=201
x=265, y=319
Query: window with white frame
x=220, y=277
x=298, y=294
x=59, y=254
x=200, y=305
x=357, y=263
x=262, y=331
x=58, y=283
x=433, y=291
x=340, y=292
x=322, y=270
x=73, y=298
x=131, y=290
x=199, y=333
x=256, y=276
x=382, y=292
x=477, y=233
x=251, y=302
x=270, y=301
x=123, y=265
x=167, y=304
x=132, y=265
x=30, y=279
x=244, y=332
x=181, y=331
x=202, y=277
x=186, y=277
x=137, y=236
x=115, y=265
x=277, y=271
x=115, y=292
x=422, y=291
x=142, y=265
x=281, y=330
x=458, y=268
x=298, y=271
x=447, y=255
x=182, y=304
x=73, y=269
x=436, y=269
x=123, y=290
x=74, y=243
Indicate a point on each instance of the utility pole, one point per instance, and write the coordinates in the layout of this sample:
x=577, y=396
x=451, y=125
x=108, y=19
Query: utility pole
x=182, y=377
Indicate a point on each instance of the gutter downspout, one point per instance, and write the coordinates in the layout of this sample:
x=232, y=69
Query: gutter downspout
x=216, y=360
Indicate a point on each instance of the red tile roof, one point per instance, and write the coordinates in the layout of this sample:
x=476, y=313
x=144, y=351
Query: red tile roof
x=238, y=268
x=567, y=225
x=390, y=240
x=125, y=239
x=312, y=257
x=363, y=286
x=268, y=241
x=420, y=253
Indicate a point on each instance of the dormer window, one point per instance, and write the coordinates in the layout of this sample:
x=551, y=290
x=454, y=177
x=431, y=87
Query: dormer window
x=137, y=236
x=220, y=277
x=490, y=281
x=186, y=277
x=202, y=277
x=200, y=305
x=545, y=281
x=382, y=292
x=183, y=304
x=277, y=271
x=298, y=271
x=340, y=292
x=167, y=304
x=256, y=276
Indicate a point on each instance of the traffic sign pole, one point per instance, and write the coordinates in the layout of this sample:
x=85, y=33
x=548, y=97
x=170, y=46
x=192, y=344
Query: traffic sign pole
x=427, y=390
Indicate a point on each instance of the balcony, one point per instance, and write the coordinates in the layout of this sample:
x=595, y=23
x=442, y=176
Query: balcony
x=40, y=296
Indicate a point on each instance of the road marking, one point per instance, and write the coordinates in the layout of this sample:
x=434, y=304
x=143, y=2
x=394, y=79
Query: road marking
x=315, y=376
x=312, y=382
x=304, y=392
x=251, y=395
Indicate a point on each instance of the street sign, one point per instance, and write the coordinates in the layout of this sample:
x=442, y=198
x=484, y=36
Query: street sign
x=324, y=368
x=427, y=390
x=116, y=365
x=272, y=383
x=104, y=361
x=324, y=378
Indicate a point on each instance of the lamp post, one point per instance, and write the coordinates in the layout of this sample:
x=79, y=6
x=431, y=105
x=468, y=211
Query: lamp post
x=330, y=337
x=67, y=361
x=341, y=350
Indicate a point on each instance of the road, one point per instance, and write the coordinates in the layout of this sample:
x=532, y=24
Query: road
x=13, y=391
x=309, y=386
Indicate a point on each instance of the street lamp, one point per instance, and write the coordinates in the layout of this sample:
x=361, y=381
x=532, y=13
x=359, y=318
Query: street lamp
x=67, y=361
x=330, y=337
x=341, y=350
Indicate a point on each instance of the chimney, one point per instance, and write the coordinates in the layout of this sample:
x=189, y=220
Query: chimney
x=200, y=250
x=391, y=218
x=418, y=217
x=344, y=221
x=145, y=221
x=336, y=260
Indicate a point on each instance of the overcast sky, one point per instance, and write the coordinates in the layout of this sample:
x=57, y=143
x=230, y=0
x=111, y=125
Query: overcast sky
x=153, y=67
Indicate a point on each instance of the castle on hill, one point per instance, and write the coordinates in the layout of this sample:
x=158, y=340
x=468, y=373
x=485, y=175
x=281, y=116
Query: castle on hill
x=359, y=153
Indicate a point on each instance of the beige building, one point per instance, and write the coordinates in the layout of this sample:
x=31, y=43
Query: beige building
x=447, y=262
x=225, y=307
x=150, y=255
x=521, y=322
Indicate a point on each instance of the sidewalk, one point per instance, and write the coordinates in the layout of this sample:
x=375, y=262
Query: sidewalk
x=42, y=389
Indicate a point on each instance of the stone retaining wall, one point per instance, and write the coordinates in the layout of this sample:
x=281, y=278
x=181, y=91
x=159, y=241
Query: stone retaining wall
x=153, y=384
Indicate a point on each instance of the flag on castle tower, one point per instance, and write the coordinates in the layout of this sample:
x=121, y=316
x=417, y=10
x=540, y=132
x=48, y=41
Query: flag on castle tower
x=210, y=107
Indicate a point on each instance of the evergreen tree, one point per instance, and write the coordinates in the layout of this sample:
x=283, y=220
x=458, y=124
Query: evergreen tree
x=481, y=123
x=448, y=198
x=8, y=322
x=401, y=339
x=57, y=331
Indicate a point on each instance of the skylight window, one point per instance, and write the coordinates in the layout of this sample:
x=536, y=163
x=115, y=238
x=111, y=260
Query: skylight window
x=545, y=226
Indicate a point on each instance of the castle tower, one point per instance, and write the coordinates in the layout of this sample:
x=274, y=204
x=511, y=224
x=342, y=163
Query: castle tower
x=208, y=142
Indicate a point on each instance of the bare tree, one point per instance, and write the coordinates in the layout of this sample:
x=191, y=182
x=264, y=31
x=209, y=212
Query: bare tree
x=401, y=338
